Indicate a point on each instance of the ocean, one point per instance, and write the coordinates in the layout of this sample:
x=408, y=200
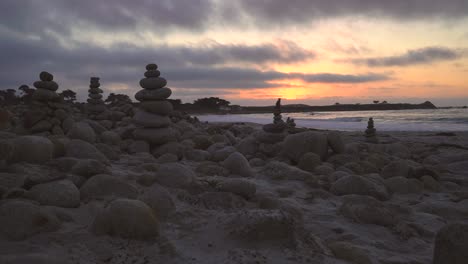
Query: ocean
x=454, y=119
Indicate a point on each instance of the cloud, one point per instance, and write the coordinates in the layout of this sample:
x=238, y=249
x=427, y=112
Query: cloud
x=426, y=55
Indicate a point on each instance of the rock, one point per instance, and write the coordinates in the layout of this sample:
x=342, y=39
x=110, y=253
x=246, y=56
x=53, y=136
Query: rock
x=367, y=210
x=324, y=170
x=309, y=161
x=222, y=153
x=395, y=169
x=197, y=155
x=247, y=146
x=101, y=186
x=451, y=244
x=67, y=124
x=156, y=136
x=32, y=149
x=130, y=219
x=21, y=219
x=159, y=199
x=6, y=149
x=210, y=168
x=149, y=120
x=45, y=95
x=59, y=145
x=150, y=95
x=11, y=180
x=167, y=158
x=153, y=83
x=270, y=138
x=175, y=175
x=202, y=142
x=240, y=187
x=350, y=252
x=256, y=162
x=296, y=145
x=157, y=107
x=83, y=131
x=88, y=168
x=281, y=171
x=174, y=148
x=111, y=152
x=221, y=201
x=57, y=193
x=50, y=85
x=138, y=146
x=335, y=142
x=236, y=163
x=274, y=128
x=41, y=126
x=80, y=149
x=354, y=184
x=110, y=138
x=36, y=258
x=430, y=183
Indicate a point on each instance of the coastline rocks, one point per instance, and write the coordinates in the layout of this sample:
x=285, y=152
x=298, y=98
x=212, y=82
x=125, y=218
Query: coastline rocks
x=395, y=169
x=105, y=186
x=221, y=201
x=277, y=170
x=83, y=131
x=153, y=95
x=80, y=149
x=451, y=244
x=146, y=119
x=131, y=219
x=353, y=184
x=58, y=193
x=32, y=149
x=174, y=175
x=236, y=163
x=159, y=199
x=367, y=210
x=296, y=145
x=21, y=219
x=309, y=161
x=240, y=187
x=335, y=142
x=161, y=107
x=156, y=136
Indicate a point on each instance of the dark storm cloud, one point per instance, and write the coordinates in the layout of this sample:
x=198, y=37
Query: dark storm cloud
x=298, y=11
x=343, y=78
x=411, y=57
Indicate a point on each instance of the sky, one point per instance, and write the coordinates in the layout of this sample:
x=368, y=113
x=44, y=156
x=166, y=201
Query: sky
x=249, y=52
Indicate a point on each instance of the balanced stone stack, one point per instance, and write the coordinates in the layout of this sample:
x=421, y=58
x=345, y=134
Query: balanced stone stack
x=95, y=103
x=278, y=125
x=48, y=113
x=152, y=116
x=370, y=133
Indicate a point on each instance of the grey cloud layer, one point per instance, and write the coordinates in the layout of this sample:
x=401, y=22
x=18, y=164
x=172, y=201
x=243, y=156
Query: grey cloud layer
x=412, y=57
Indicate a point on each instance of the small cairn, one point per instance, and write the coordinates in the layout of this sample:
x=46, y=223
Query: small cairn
x=371, y=135
x=152, y=116
x=95, y=103
x=278, y=125
x=48, y=113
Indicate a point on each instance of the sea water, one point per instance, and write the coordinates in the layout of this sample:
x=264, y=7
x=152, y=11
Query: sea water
x=455, y=119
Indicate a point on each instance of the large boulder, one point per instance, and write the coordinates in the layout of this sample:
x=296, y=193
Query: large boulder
x=32, y=149
x=296, y=145
x=131, y=219
x=21, y=219
x=88, y=168
x=102, y=186
x=110, y=138
x=336, y=143
x=57, y=193
x=247, y=146
x=367, y=210
x=83, y=131
x=175, y=175
x=451, y=244
x=240, y=187
x=80, y=149
x=399, y=168
x=354, y=184
x=236, y=163
x=156, y=136
x=159, y=199
x=277, y=170
x=309, y=161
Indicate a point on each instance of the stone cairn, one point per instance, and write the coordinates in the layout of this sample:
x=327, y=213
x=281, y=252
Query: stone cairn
x=370, y=133
x=152, y=117
x=278, y=125
x=96, y=105
x=48, y=113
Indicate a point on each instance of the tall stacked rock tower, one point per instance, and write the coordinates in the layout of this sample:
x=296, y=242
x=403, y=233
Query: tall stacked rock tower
x=48, y=113
x=95, y=103
x=152, y=117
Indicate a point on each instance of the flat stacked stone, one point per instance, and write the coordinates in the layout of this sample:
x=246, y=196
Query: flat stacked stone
x=152, y=116
x=48, y=112
x=96, y=105
x=371, y=132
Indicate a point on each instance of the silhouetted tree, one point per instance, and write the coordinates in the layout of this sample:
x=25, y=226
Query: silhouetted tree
x=175, y=102
x=68, y=95
x=337, y=103
x=26, y=93
x=384, y=102
x=211, y=102
x=114, y=99
x=9, y=96
x=376, y=102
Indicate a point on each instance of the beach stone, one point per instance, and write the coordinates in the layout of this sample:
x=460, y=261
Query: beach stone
x=46, y=76
x=151, y=67
x=336, y=143
x=397, y=185
x=45, y=95
x=50, y=85
x=67, y=124
x=174, y=148
x=350, y=252
x=138, y=146
x=451, y=244
x=275, y=128
x=202, y=142
x=395, y=169
x=80, y=149
x=159, y=199
x=110, y=138
x=111, y=152
x=221, y=201
x=157, y=107
x=106, y=186
x=130, y=219
x=354, y=184
x=236, y=163
x=367, y=210
x=41, y=126
x=11, y=180
x=36, y=258
x=149, y=120
x=150, y=95
x=152, y=74
x=240, y=187
x=88, y=168
x=430, y=183
x=156, y=136
x=58, y=193
x=153, y=83
x=222, y=153
x=271, y=138
x=83, y=131
x=167, y=158
x=296, y=145
x=309, y=161
x=210, y=168
x=32, y=149
x=6, y=149
x=277, y=170
x=95, y=96
x=21, y=219
x=175, y=175
x=196, y=155
x=247, y=146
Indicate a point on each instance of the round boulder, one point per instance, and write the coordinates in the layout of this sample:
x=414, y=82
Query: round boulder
x=32, y=149
x=296, y=145
x=175, y=175
x=83, y=131
x=58, y=193
x=102, y=185
x=451, y=245
x=236, y=163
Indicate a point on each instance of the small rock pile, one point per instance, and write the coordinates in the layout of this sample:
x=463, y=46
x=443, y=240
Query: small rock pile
x=95, y=103
x=48, y=113
x=371, y=135
x=152, y=117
